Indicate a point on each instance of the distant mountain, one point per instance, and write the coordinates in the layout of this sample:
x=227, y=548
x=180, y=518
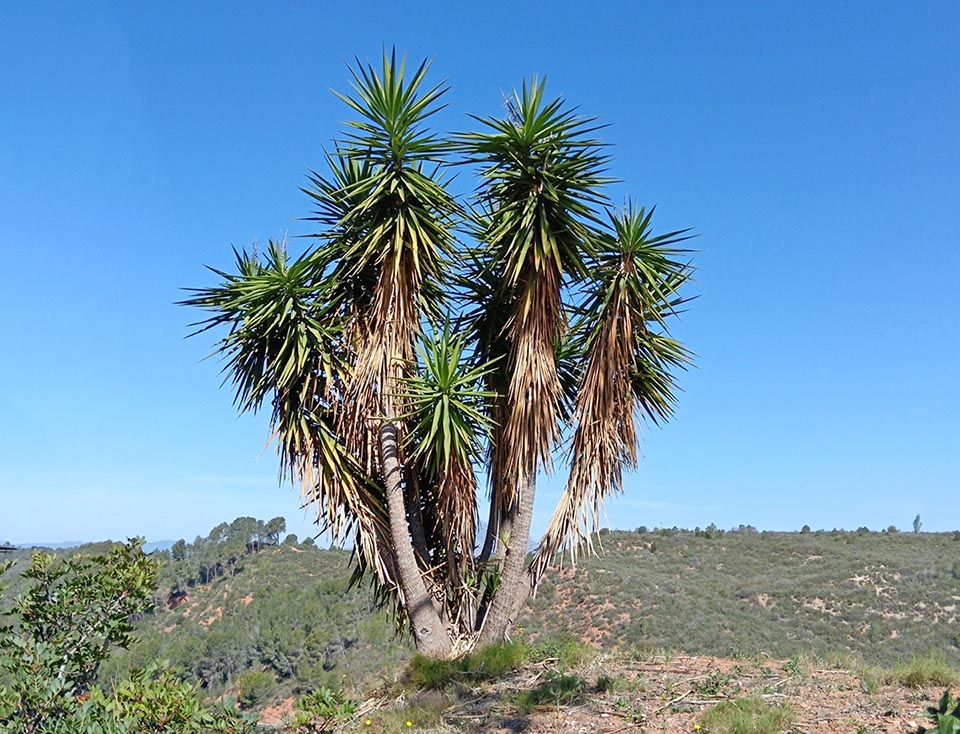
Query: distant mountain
x=153, y=545
x=157, y=545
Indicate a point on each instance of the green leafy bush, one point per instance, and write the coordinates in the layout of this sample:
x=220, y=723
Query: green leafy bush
x=318, y=711
x=72, y=615
x=156, y=700
x=946, y=715
x=63, y=628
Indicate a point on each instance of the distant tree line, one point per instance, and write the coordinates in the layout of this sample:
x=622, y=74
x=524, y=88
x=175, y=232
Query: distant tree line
x=222, y=550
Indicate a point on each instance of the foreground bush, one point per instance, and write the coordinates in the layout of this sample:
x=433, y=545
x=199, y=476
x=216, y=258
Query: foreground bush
x=73, y=614
x=751, y=715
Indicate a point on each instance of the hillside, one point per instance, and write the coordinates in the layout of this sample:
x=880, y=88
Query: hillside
x=883, y=596
x=285, y=622
x=269, y=625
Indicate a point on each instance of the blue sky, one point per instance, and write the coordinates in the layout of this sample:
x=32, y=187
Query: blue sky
x=812, y=146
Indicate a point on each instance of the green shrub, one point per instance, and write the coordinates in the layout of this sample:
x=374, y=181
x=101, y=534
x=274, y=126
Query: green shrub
x=557, y=689
x=318, y=711
x=714, y=684
x=65, y=625
x=926, y=670
x=565, y=649
x=256, y=687
x=70, y=618
x=156, y=700
x=487, y=663
x=751, y=715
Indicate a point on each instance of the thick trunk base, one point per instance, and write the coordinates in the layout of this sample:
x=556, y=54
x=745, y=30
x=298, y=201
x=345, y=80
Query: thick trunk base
x=513, y=588
x=429, y=633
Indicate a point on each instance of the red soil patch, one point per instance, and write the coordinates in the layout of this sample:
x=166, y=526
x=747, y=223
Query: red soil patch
x=216, y=615
x=277, y=713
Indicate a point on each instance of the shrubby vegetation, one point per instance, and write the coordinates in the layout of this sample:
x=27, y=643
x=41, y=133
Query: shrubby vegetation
x=884, y=596
x=945, y=715
x=319, y=711
x=73, y=614
x=281, y=619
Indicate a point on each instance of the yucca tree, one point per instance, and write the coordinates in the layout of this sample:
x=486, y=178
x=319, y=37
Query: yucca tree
x=402, y=365
x=541, y=180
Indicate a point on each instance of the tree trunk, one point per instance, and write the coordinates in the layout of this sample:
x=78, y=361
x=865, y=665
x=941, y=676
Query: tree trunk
x=415, y=517
x=488, y=563
x=490, y=538
x=428, y=632
x=513, y=587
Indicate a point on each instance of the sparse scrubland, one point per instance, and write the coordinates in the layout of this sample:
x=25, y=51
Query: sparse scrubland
x=819, y=631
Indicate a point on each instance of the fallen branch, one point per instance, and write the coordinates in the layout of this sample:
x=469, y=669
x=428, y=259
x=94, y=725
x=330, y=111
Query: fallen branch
x=675, y=700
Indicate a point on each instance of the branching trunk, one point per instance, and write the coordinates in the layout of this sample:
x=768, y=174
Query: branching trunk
x=483, y=562
x=415, y=517
x=490, y=536
x=513, y=587
x=428, y=632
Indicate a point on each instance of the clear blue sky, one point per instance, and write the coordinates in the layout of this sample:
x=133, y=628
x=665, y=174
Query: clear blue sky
x=815, y=147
